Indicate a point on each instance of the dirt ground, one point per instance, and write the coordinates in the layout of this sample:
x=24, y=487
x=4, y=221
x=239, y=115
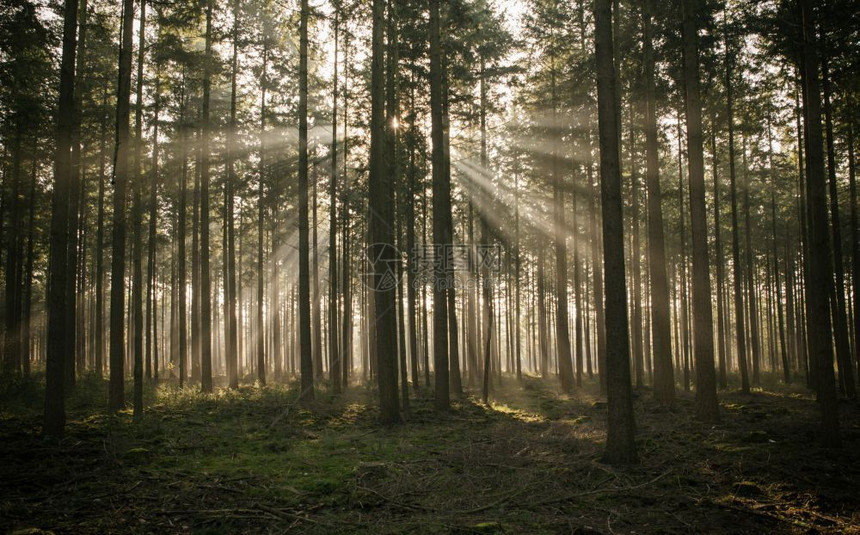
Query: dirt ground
x=256, y=461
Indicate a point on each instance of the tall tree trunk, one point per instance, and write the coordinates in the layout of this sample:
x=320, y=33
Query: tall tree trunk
x=137, y=224
x=381, y=249
x=664, y=379
x=684, y=352
x=736, y=254
x=820, y=268
x=55, y=412
x=855, y=237
x=560, y=236
x=486, y=243
x=316, y=317
x=230, y=324
x=620, y=445
x=786, y=369
x=837, y=305
x=73, y=365
x=718, y=247
x=706, y=388
x=100, y=245
x=749, y=261
x=307, y=366
x=183, y=228
x=392, y=139
x=151, y=323
x=261, y=212
x=636, y=334
x=116, y=400
x=346, y=338
x=205, y=273
x=335, y=363
x=440, y=313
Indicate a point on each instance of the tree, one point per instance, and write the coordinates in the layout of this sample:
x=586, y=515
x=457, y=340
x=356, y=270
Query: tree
x=381, y=249
x=307, y=370
x=706, y=388
x=820, y=267
x=137, y=226
x=664, y=380
x=55, y=410
x=620, y=445
x=440, y=316
x=230, y=327
x=205, y=299
x=333, y=303
x=737, y=268
x=116, y=399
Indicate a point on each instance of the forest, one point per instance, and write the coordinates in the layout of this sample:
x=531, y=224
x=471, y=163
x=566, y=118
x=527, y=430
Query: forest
x=461, y=266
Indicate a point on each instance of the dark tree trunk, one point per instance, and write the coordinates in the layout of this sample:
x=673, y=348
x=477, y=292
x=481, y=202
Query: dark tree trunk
x=116, y=400
x=664, y=378
x=736, y=254
x=708, y=408
x=306, y=358
x=335, y=363
x=718, y=249
x=381, y=249
x=440, y=315
x=837, y=304
x=55, y=412
x=230, y=324
x=820, y=268
x=205, y=273
x=261, y=212
x=137, y=225
x=620, y=445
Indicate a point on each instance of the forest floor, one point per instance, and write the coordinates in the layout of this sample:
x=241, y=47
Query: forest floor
x=256, y=461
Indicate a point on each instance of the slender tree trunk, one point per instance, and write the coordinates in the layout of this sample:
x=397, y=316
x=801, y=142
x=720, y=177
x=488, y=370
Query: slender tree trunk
x=440, y=315
x=55, y=412
x=183, y=228
x=316, y=316
x=151, y=323
x=706, y=388
x=335, y=363
x=749, y=260
x=205, y=273
x=230, y=324
x=620, y=445
x=718, y=246
x=684, y=352
x=636, y=334
x=261, y=212
x=664, y=380
x=116, y=400
x=307, y=370
x=838, y=305
x=736, y=255
x=821, y=274
x=73, y=365
x=855, y=237
x=560, y=236
x=100, y=245
x=346, y=338
x=786, y=369
x=137, y=224
x=381, y=221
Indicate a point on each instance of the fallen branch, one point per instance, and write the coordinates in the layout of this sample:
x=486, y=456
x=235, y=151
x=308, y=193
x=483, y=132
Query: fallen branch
x=567, y=497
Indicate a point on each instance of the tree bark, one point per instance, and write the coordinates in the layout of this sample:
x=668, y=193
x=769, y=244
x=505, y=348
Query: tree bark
x=820, y=268
x=306, y=355
x=620, y=445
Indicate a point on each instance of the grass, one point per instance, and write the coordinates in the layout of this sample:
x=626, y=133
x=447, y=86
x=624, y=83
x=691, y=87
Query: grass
x=256, y=460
